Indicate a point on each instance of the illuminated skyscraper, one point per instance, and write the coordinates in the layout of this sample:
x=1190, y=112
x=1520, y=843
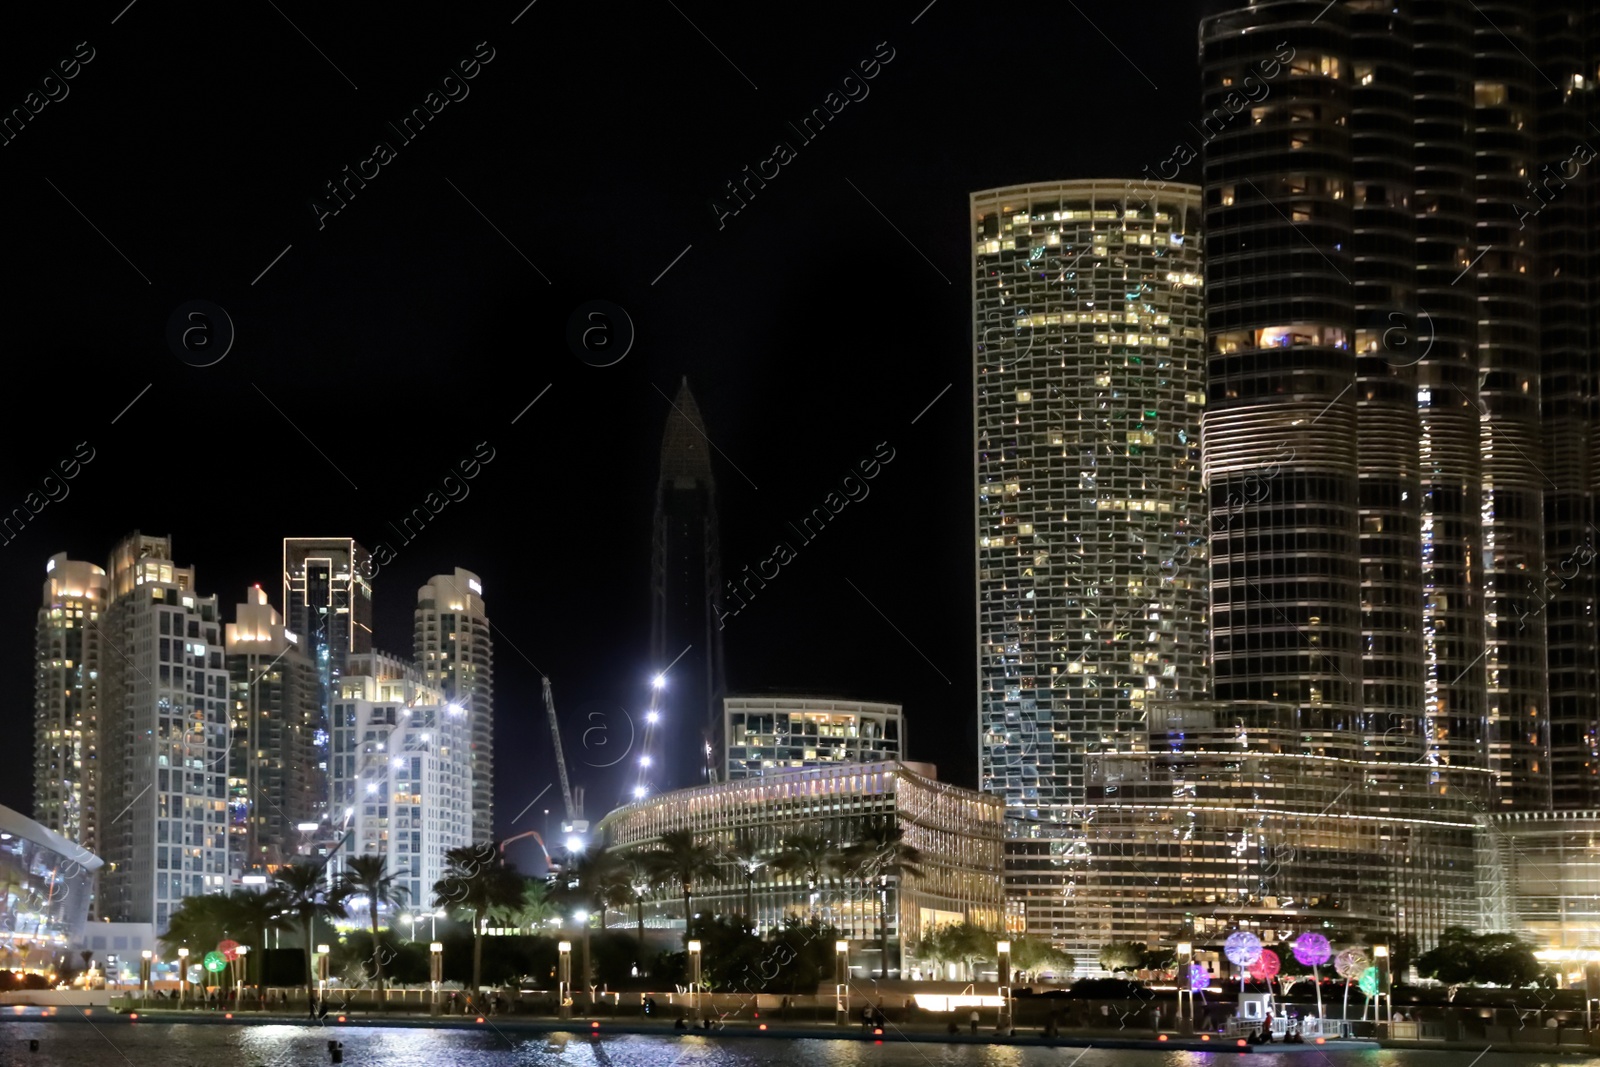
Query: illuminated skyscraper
x=1089, y=384
x=66, y=725
x=686, y=578
x=276, y=770
x=455, y=652
x=327, y=603
x=1399, y=293
x=164, y=726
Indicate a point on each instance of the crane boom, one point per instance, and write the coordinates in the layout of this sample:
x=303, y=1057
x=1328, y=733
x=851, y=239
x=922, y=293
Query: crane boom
x=561, y=759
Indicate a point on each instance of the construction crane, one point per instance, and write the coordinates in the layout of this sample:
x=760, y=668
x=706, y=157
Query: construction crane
x=575, y=824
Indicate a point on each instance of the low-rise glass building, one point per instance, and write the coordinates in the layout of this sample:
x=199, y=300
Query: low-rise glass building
x=46, y=882
x=1217, y=816
x=958, y=832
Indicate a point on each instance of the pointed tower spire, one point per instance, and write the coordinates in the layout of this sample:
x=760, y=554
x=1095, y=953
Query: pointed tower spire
x=685, y=449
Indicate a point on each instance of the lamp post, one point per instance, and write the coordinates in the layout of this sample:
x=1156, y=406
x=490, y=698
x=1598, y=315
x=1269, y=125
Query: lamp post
x=588, y=981
x=435, y=971
x=1385, y=1003
x=1185, y=985
x=242, y=974
x=841, y=983
x=564, y=975
x=694, y=973
x=146, y=959
x=183, y=975
x=1002, y=953
x=322, y=971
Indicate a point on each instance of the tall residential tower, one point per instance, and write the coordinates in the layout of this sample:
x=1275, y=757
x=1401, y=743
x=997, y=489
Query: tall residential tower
x=454, y=651
x=66, y=725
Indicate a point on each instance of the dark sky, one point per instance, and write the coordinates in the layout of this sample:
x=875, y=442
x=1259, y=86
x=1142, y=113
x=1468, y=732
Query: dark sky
x=380, y=349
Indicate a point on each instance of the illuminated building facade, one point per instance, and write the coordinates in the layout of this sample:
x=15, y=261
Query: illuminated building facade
x=66, y=725
x=958, y=831
x=771, y=734
x=276, y=770
x=400, y=771
x=49, y=881
x=327, y=602
x=1399, y=294
x=685, y=584
x=1221, y=816
x=1091, y=513
x=1542, y=877
x=455, y=652
x=164, y=742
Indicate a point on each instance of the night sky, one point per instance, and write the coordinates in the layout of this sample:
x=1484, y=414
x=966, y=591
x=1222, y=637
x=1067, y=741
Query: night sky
x=394, y=336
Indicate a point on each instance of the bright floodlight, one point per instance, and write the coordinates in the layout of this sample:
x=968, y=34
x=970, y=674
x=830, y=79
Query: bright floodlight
x=644, y=761
x=652, y=716
x=639, y=791
x=455, y=709
x=659, y=681
x=581, y=916
x=574, y=844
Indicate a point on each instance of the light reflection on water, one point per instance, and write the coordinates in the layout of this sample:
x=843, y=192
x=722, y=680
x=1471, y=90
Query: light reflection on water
x=119, y=1043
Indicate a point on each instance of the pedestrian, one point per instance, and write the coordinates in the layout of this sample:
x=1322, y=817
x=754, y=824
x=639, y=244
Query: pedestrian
x=973, y=1019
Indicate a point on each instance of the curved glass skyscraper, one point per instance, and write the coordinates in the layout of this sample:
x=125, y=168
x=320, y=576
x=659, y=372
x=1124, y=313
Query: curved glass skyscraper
x=1090, y=512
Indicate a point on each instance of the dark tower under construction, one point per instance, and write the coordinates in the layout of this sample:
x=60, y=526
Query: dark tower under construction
x=686, y=574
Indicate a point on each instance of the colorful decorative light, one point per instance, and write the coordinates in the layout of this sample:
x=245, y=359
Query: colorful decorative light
x=215, y=962
x=1242, y=947
x=229, y=950
x=1199, y=977
x=1266, y=966
x=1312, y=949
x=1350, y=963
x=1368, y=983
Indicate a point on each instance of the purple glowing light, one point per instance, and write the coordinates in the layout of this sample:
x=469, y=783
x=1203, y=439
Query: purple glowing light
x=1199, y=977
x=1312, y=949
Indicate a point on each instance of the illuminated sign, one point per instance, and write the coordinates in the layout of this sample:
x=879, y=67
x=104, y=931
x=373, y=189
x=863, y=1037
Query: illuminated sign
x=474, y=586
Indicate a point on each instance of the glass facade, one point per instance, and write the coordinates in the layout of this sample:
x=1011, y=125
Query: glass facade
x=959, y=833
x=770, y=734
x=1545, y=868
x=48, y=881
x=685, y=593
x=1221, y=816
x=1091, y=514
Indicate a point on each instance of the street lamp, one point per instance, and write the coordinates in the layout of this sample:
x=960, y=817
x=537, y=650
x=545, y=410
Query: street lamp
x=1380, y=956
x=435, y=970
x=242, y=975
x=183, y=975
x=564, y=979
x=1002, y=951
x=146, y=959
x=582, y=918
x=1185, y=983
x=694, y=973
x=841, y=983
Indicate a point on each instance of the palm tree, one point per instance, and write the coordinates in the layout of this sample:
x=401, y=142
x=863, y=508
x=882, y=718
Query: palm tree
x=748, y=856
x=684, y=860
x=644, y=879
x=810, y=856
x=369, y=876
x=256, y=913
x=476, y=883
x=530, y=911
x=197, y=924
x=881, y=853
x=306, y=895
